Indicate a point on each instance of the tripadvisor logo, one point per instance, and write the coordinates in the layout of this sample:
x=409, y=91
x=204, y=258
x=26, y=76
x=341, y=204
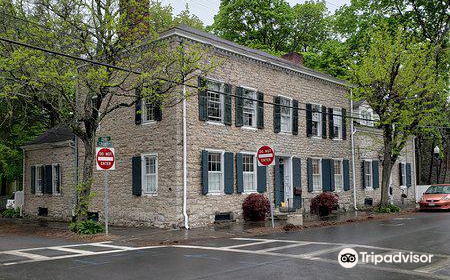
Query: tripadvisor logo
x=348, y=258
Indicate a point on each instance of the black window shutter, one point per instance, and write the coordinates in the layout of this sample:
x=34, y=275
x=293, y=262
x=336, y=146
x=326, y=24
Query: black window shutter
x=344, y=124
x=326, y=183
x=332, y=183
x=400, y=170
x=260, y=111
x=375, y=174
x=261, y=179
x=408, y=174
x=204, y=172
x=331, y=123
x=309, y=174
x=308, y=120
x=239, y=173
x=227, y=105
x=346, y=173
x=138, y=106
x=202, y=100
x=279, y=193
x=239, y=103
x=297, y=181
x=363, y=174
x=33, y=180
x=157, y=111
x=276, y=114
x=58, y=178
x=48, y=188
x=295, y=117
x=136, y=175
x=229, y=172
x=324, y=122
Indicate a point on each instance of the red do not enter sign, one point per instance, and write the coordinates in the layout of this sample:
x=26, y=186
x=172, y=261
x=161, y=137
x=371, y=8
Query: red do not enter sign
x=265, y=155
x=105, y=159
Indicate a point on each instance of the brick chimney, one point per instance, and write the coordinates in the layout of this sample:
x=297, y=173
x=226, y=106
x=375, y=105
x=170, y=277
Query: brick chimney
x=136, y=22
x=294, y=57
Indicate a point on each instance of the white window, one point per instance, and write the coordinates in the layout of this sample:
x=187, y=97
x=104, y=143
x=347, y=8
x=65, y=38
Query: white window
x=148, y=111
x=249, y=108
x=368, y=174
x=215, y=172
x=249, y=179
x=286, y=114
x=215, y=101
x=337, y=123
x=56, y=179
x=39, y=179
x=316, y=120
x=316, y=175
x=338, y=175
x=403, y=173
x=366, y=117
x=149, y=174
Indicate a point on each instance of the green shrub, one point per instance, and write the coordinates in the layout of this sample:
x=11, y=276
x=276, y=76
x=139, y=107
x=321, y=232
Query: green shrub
x=11, y=213
x=86, y=227
x=391, y=208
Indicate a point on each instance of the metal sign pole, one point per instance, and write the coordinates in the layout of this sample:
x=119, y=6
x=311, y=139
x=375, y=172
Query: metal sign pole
x=106, y=202
x=270, y=195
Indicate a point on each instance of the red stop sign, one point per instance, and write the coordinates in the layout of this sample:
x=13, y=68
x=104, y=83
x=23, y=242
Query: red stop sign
x=105, y=158
x=265, y=155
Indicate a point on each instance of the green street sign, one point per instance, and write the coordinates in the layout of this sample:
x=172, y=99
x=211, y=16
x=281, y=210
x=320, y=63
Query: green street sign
x=104, y=141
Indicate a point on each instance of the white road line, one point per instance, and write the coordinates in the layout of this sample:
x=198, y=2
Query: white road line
x=249, y=244
x=434, y=266
x=111, y=246
x=324, y=251
x=28, y=255
x=283, y=247
x=71, y=250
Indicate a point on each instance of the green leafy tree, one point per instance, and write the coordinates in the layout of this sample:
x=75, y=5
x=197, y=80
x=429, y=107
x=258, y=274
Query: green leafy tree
x=396, y=76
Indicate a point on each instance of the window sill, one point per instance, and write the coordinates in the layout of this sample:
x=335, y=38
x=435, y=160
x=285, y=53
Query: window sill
x=249, y=192
x=145, y=123
x=215, y=123
x=149, y=194
x=369, y=189
x=215, y=193
x=251, y=128
x=315, y=137
x=285, y=133
x=337, y=139
x=403, y=187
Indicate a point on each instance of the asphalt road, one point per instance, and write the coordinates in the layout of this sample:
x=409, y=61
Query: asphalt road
x=310, y=254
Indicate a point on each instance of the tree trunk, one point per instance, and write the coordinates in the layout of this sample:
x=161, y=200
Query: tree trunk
x=387, y=164
x=86, y=184
x=4, y=185
x=430, y=174
x=418, y=155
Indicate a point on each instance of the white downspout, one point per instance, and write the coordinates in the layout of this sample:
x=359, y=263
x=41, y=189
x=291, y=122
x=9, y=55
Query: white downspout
x=353, y=150
x=186, y=218
x=23, y=181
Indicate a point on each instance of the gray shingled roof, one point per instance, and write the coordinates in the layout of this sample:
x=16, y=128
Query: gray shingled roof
x=53, y=135
x=208, y=38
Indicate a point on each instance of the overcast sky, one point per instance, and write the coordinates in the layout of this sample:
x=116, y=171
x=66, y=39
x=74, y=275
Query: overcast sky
x=206, y=9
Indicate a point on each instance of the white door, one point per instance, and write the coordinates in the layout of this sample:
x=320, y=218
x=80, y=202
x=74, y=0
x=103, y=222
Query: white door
x=288, y=193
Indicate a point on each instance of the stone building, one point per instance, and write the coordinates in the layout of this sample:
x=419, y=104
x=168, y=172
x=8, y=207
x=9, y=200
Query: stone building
x=251, y=99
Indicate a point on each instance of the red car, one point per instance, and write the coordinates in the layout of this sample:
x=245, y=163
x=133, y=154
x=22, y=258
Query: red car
x=436, y=197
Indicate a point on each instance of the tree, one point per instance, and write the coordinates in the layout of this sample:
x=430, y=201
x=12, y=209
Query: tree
x=81, y=96
x=396, y=76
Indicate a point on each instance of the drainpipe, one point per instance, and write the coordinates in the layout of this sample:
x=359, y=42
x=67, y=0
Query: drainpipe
x=186, y=218
x=23, y=182
x=353, y=149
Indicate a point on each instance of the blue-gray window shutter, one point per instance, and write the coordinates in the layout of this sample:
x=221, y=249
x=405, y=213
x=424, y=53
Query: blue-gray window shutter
x=276, y=114
x=346, y=173
x=204, y=172
x=363, y=175
x=58, y=176
x=324, y=122
x=229, y=172
x=297, y=181
x=400, y=170
x=326, y=175
x=279, y=193
x=376, y=174
x=33, y=179
x=295, y=117
x=48, y=188
x=136, y=172
x=344, y=124
x=408, y=174
x=157, y=111
x=202, y=99
x=309, y=174
x=308, y=120
x=260, y=111
x=138, y=106
x=332, y=183
x=239, y=103
x=227, y=105
x=239, y=173
x=331, y=122
x=261, y=179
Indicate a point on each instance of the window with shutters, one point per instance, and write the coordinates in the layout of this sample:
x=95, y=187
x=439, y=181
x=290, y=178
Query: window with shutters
x=337, y=123
x=317, y=174
x=249, y=108
x=403, y=169
x=366, y=116
x=368, y=174
x=56, y=179
x=149, y=174
x=215, y=172
x=286, y=114
x=148, y=112
x=215, y=103
x=316, y=120
x=338, y=174
x=249, y=170
x=39, y=179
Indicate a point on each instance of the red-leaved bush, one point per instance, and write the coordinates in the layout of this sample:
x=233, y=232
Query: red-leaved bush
x=255, y=207
x=324, y=203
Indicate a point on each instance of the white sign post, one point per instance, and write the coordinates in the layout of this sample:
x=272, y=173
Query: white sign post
x=105, y=160
x=266, y=157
